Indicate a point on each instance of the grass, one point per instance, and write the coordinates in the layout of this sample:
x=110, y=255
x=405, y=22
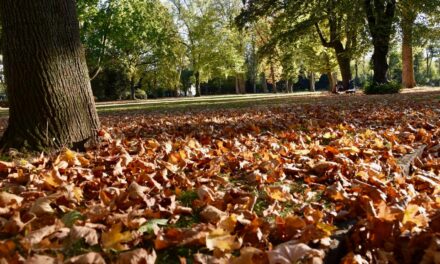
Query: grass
x=238, y=101
x=233, y=101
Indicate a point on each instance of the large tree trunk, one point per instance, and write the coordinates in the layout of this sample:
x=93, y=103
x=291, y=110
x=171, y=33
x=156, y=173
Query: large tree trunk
x=380, y=64
x=344, y=66
x=380, y=19
x=51, y=101
x=198, y=89
x=344, y=61
x=408, y=78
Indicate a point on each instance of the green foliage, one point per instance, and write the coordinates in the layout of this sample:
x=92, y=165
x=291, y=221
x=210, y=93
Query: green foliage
x=138, y=38
x=140, y=94
x=71, y=217
x=385, y=88
x=187, y=197
x=149, y=226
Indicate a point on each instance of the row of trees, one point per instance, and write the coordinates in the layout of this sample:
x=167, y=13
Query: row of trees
x=165, y=48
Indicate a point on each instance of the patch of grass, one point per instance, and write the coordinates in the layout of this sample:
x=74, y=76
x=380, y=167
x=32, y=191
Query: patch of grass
x=187, y=221
x=186, y=198
x=79, y=247
x=4, y=157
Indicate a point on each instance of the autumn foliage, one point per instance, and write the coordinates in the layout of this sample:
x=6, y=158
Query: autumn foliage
x=290, y=183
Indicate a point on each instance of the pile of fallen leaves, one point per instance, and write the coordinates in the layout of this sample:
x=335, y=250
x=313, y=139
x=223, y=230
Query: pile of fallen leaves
x=311, y=183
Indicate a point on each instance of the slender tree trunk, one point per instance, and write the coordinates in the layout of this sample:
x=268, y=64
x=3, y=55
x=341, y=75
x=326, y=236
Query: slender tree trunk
x=290, y=86
x=332, y=83
x=239, y=84
x=264, y=83
x=408, y=78
x=51, y=101
x=198, y=89
x=312, y=81
x=237, y=87
x=356, y=70
x=132, y=89
x=254, y=86
x=274, y=81
x=242, y=83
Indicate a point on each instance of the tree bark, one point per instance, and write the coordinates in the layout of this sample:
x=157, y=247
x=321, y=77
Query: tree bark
x=132, y=89
x=239, y=84
x=264, y=83
x=198, y=89
x=274, y=81
x=312, y=81
x=332, y=82
x=237, y=87
x=290, y=86
x=380, y=17
x=345, y=68
x=380, y=64
x=408, y=78
x=50, y=97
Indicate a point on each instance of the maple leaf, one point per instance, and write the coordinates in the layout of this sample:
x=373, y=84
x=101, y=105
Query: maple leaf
x=114, y=238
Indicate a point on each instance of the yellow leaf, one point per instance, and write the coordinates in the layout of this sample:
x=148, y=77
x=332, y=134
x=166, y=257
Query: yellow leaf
x=328, y=229
x=221, y=240
x=78, y=193
x=351, y=150
x=327, y=135
x=413, y=215
x=52, y=179
x=113, y=238
x=278, y=193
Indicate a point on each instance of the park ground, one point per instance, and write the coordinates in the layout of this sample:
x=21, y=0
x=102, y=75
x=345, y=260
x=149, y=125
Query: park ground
x=242, y=179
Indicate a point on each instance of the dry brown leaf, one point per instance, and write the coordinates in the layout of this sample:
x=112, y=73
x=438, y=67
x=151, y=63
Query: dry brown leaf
x=293, y=252
x=137, y=256
x=7, y=199
x=88, y=258
x=89, y=235
x=212, y=214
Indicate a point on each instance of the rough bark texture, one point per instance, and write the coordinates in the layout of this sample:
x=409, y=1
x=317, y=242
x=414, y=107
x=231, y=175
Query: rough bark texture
x=380, y=15
x=408, y=79
x=345, y=68
x=51, y=101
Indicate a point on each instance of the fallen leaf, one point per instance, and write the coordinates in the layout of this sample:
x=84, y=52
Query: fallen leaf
x=114, y=238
